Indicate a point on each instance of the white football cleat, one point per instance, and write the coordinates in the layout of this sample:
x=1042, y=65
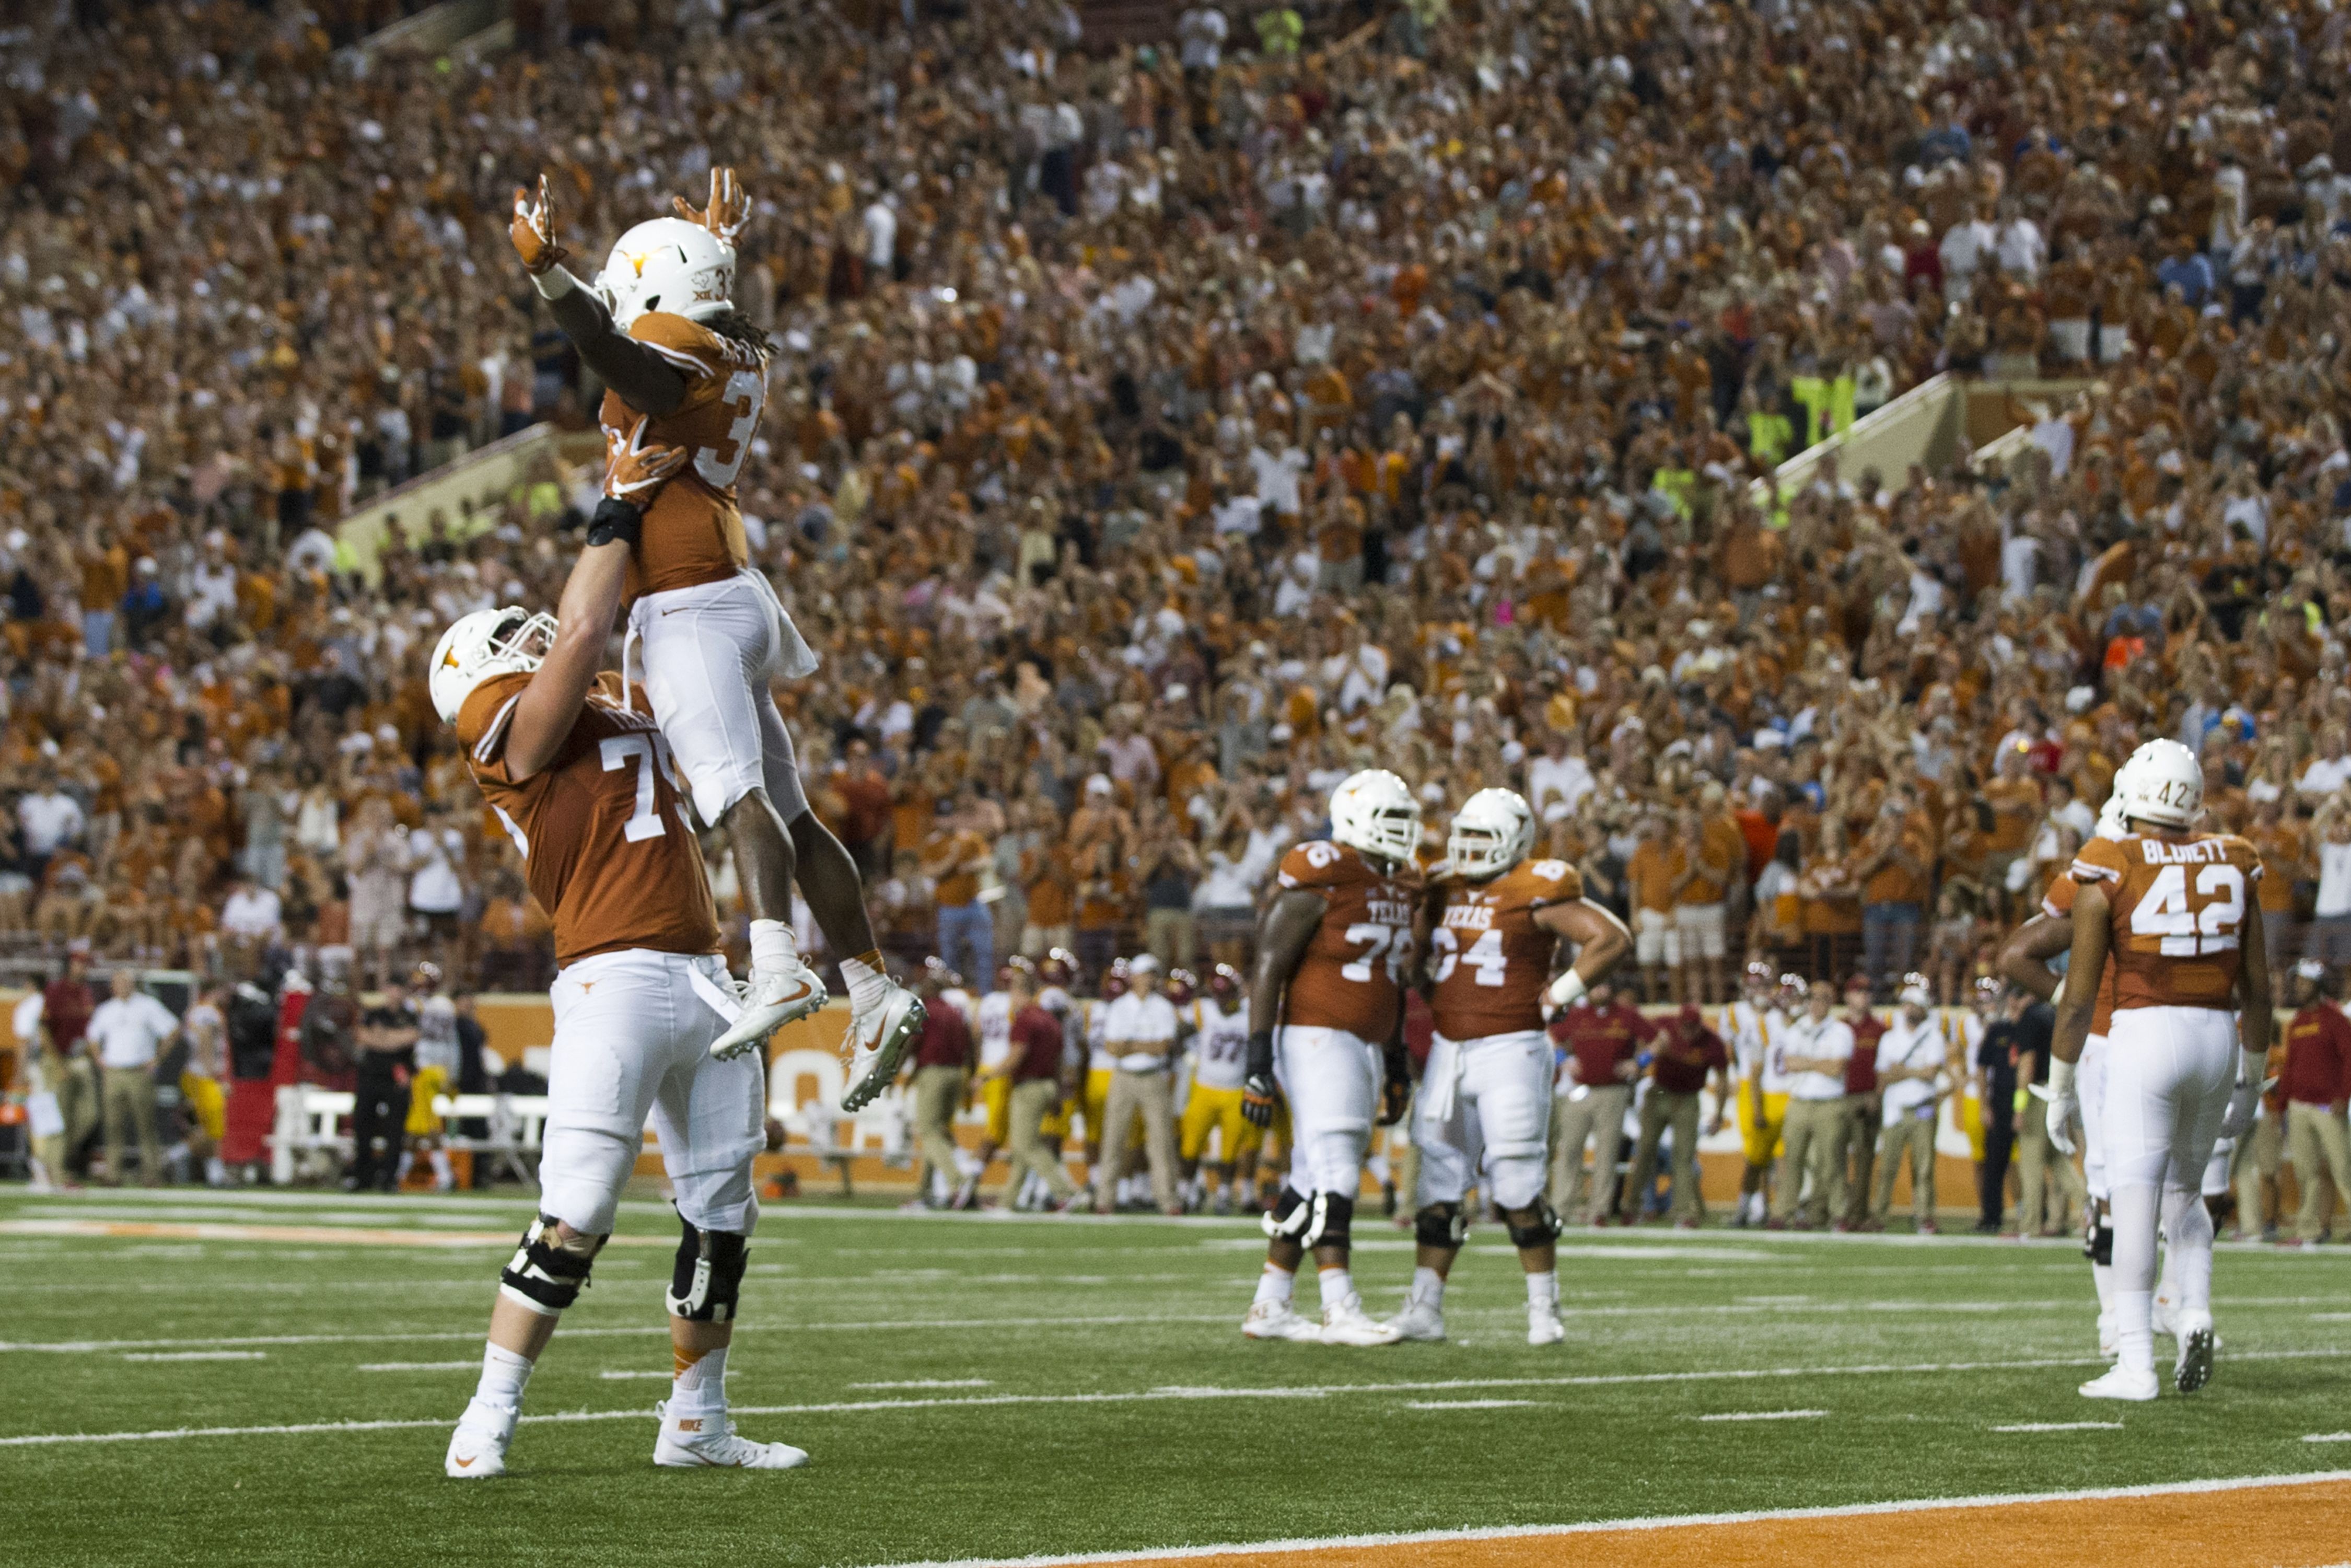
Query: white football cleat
x=1543, y=1326
x=477, y=1448
x=878, y=1038
x=2163, y=1317
x=1347, y=1323
x=2194, y=1368
x=1278, y=1319
x=771, y=998
x=694, y=1442
x=2134, y=1383
x=1419, y=1319
x=2109, y=1345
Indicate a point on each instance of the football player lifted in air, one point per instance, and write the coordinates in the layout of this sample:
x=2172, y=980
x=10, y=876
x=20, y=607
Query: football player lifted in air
x=2025, y=963
x=582, y=782
x=1496, y=920
x=2171, y=906
x=1326, y=1030
x=658, y=328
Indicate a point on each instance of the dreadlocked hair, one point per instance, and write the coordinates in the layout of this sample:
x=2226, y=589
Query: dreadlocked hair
x=736, y=328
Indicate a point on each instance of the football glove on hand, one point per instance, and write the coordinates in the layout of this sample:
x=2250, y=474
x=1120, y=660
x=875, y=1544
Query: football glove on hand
x=532, y=230
x=1395, y=1098
x=1256, y=1100
x=728, y=210
x=2058, y=1095
x=2246, y=1099
x=635, y=472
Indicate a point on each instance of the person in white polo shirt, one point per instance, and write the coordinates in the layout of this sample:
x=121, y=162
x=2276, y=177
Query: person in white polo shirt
x=1911, y=1057
x=1139, y=1032
x=129, y=1032
x=1818, y=1048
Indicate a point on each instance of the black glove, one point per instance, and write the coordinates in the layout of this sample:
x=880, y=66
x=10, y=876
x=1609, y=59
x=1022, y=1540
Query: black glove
x=1256, y=1100
x=1395, y=1086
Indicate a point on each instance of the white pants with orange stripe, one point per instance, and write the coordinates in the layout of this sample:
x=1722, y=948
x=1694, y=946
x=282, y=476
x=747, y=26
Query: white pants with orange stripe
x=632, y=1033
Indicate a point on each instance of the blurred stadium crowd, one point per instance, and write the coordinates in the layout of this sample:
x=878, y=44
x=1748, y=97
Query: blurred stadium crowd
x=1158, y=433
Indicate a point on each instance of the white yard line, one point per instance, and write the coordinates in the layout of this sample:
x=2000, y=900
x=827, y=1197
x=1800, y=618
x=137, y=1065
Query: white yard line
x=2062, y=1427
x=1153, y=1395
x=1466, y=1403
x=1766, y=1416
x=931, y=1383
x=1525, y=1531
x=199, y=1355
x=2328, y=1437
x=419, y=1366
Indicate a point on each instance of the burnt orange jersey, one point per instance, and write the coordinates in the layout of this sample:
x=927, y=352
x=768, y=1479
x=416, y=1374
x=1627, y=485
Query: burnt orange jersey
x=1352, y=974
x=2058, y=905
x=1488, y=959
x=2179, y=909
x=694, y=529
x=604, y=834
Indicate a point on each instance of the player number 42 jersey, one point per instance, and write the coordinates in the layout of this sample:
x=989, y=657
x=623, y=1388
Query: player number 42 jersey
x=1351, y=977
x=1488, y=959
x=2178, y=909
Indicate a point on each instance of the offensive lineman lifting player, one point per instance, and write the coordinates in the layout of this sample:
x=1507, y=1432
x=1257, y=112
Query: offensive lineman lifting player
x=1326, y=1028
x=1496, y=922
x=658, y=327
x=583, y=783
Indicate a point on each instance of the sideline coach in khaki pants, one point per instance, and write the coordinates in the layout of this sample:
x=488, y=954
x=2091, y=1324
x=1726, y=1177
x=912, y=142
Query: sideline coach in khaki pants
x=1688, y=1054
x=1819, y=1048
x=1603, y=1036
x=942, y=1061
x=2313, y=1086
x=1035, y=1066
x=1140, y=1033
x=127, y=1033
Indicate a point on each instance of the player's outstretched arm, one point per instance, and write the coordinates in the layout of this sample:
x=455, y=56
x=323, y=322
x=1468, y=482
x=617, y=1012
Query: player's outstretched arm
x=2025, y=957
x=1600, y=938
x=592, y=598
x=646, y=382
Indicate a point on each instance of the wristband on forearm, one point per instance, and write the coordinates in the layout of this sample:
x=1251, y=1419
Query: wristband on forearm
x=1260, y=1053
x=555, y=282
x=616, y=520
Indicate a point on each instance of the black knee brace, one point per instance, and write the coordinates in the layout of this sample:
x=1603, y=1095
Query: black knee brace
x=1441, y=1225
x=1334, y=1219
x=1287, y=1219
x=1544, y=1231
x=549, y=1269
x=708, y=1280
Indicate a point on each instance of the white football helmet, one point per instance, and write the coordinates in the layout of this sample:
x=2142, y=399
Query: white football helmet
x=485, y=643
x=2166, y=785
x=2114, y=821
x=1373, y=811
x=667, y=264
x=1491, y=832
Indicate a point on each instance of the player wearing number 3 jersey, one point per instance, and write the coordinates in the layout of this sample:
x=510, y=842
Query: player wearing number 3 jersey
x=674, y=355
x=1326, y=1026
x=582, y=783
x=1496, y=920
x=2170, y=907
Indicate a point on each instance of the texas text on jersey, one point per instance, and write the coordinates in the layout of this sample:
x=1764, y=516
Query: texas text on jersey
x=604, y=839
x=1489, y=960
x=2058, y=905
x=2177, y=909
x=1351, y=975
x=694, y=529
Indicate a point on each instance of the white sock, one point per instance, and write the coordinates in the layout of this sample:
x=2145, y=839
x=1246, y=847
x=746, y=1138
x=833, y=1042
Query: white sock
x=503, y=1376
x=1428, y=1285
x=866, y=981
x=1274, y=1286
x=442, y=1173
x=1542, y=1289
x=407, y=1160
x=771, y=946
x=699, y=1384
x=2102, y=1277
x=1338, y=1287
x=216, y=1173
x=2188, y=1260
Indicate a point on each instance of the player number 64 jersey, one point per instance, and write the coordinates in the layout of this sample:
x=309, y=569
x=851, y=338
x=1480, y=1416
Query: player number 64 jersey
x=1488, y=959
x=1351, y=977
x=2178, y=909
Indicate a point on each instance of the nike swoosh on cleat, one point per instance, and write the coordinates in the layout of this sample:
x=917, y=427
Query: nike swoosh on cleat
x=466, y=1464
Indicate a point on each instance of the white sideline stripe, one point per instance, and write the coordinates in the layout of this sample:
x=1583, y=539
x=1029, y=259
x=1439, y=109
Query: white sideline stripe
x=1466, y=1403
x=199, y=1355
x=2062, y=1427
x=89, y=1346
x=419, y=1366
x=1155, y=1396
x=1766, y=1416
x=1670, y=1522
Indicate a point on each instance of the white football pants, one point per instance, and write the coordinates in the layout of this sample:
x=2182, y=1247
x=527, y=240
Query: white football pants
x=709, y=654
x=2170, y=1072
x=1332, y=1079
x=1484, y=1115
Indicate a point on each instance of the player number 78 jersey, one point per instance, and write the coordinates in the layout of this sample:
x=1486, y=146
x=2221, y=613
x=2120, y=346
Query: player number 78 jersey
x=2177, y=908
x=1351, y=977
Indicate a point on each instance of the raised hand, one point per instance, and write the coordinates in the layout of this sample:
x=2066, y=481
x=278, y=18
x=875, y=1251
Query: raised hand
x=728, y=210
x=532, y=230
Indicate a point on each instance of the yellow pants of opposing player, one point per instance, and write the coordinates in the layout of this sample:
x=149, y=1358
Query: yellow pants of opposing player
x=205, y=1103
x=1218, y=1110
x=1764, y=1140
x=995, y=1095
x=428, y=1081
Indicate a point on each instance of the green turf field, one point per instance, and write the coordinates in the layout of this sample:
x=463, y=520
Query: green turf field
x=984, y=1386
